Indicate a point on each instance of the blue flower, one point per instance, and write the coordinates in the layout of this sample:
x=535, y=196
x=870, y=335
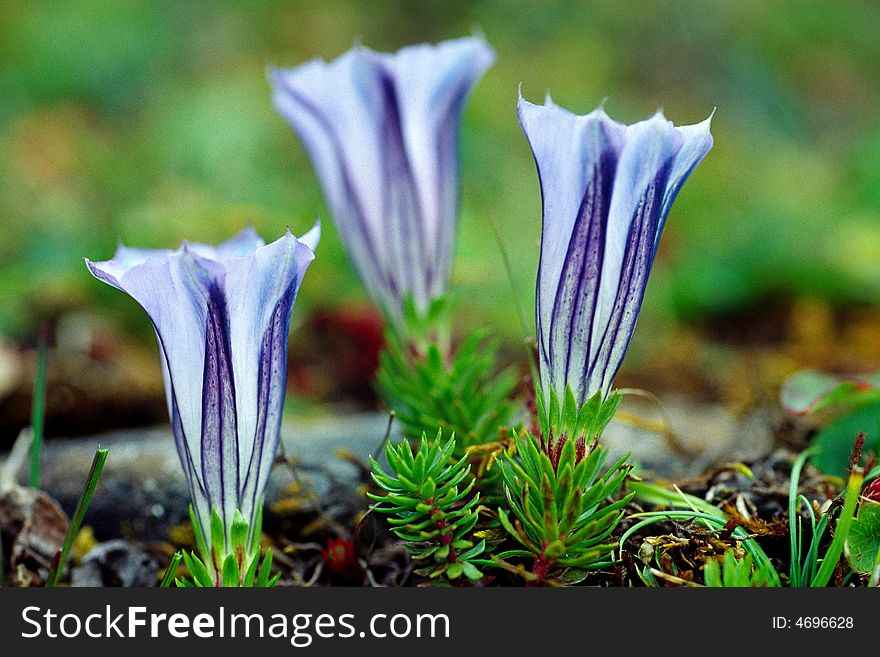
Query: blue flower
x=607, y=189
x=221, y=315
x=381, y=130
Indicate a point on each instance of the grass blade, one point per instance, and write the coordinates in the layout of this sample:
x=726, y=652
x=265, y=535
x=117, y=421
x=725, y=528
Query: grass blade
x=698, y=510
x=794, y=530
x=841, y=530
x=38, y=408
x=78, y=515
x=171, y=571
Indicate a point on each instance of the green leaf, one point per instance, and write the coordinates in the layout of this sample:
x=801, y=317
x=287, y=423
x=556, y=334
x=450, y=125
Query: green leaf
x=841, y=531
x=431, y=513
x=471, y=571
x=555, y=412
x=564, y=515
x=38, y=408
x=255, y=529
x=543, y=419
x=863, y=542
x=809, y=391
x=835, y=439
x=554, y=550
x=454, y=570
x=569, y=414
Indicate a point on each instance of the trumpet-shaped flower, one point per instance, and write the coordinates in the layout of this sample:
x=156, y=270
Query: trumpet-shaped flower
x=221, y=315
x=381, y=130
x=607, y=189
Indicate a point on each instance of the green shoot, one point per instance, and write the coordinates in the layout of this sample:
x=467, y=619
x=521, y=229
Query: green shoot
x=560, y=508
x=78, y=515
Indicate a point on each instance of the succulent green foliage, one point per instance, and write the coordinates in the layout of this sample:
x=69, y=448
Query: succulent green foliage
x=229, y=560
x=561, y=422
x=431, y=506
x=562, y=515
x=732, y=572
x=431, y=386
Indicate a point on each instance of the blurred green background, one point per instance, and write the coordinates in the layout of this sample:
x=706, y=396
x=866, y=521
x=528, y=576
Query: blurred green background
x=150, y=121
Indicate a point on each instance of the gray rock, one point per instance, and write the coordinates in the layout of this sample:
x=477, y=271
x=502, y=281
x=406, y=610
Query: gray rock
x=143, y=471
x=142, y=490
x=697, y=435
x=115, y=563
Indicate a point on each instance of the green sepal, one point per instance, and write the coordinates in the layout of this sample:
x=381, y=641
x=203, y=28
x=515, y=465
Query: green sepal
x=251, y=572
x=564, y=418
x=255, y=530
x=198, y=534
x=238, y=532
x=263, y=577
x=218, y=536
x=198, y=570
x=230, y=572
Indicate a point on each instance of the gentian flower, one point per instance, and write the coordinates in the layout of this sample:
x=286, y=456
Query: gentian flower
x=381, y=130
x=221, y=315
x=607, y=189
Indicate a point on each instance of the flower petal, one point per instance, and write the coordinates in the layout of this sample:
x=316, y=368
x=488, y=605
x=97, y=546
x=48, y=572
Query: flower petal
x=221, y=315
x=576, y=158
x=431, y=106
x=606, y=190
x=260, y=291
x=330, y=105
x=381, y=130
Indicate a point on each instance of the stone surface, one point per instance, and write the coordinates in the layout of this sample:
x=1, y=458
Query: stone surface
x=143, y=472
x=696, y=435
x=115, y=563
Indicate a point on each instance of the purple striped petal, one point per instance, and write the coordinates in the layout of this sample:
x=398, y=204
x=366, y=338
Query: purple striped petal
x=381, y=130
x=221, y=315
x=606, y=189
x=219, y=436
